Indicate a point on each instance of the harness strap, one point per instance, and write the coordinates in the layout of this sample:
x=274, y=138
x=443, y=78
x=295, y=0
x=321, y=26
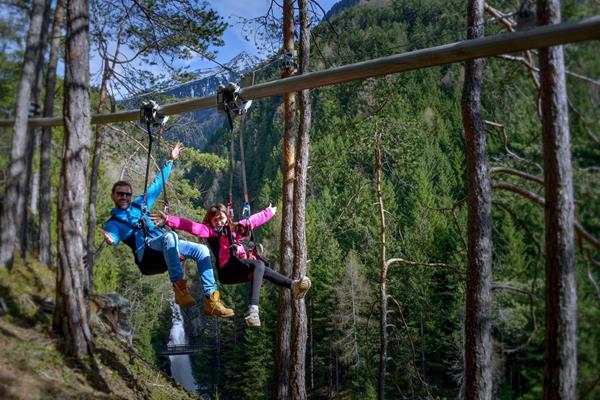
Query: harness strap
x=246, y=212
x=231, y=162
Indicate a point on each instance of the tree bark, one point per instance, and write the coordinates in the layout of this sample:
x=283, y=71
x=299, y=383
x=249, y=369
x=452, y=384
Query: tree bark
x=14, y=197
x=282, y=352
x=560, y=350
x=91, y=233
x=36, y=91
x=91, y=236
x=383, y=337
x=45, y=197
x=299, y=321
x=478, y=340
x=71, y=317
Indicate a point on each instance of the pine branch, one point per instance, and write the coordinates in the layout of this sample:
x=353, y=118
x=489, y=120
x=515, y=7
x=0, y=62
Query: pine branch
x=504, y=135
x=530, y=295
x=579, y=229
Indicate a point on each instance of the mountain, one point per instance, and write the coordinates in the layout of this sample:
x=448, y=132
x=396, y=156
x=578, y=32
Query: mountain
x=206, y=80
x=344, y=4
x=197, y=128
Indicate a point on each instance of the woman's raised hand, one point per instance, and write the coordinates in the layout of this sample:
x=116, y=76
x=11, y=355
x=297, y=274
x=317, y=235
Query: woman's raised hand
x=272, y=209
x=159, y=218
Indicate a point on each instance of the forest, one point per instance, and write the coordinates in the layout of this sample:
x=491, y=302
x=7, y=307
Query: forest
x=448, y=217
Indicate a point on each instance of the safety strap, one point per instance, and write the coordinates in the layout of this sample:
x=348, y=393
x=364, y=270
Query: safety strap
x=229, y=101
x=150, y=116
x=246, y=212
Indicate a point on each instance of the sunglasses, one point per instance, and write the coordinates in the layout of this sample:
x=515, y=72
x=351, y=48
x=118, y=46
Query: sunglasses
x=126, y=194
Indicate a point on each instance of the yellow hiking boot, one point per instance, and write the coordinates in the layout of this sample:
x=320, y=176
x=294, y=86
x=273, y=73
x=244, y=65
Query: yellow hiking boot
x=182, y=295
x=214, y=307
x=300, y=287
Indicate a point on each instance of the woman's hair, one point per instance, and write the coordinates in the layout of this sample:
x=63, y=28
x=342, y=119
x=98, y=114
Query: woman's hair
x=214, y=211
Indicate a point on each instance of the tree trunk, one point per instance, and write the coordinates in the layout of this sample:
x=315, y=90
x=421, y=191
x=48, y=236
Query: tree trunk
x=299, y=322
x=478, y=340
x=282, y=352
x=16, y=180
x=36, y=90
x=45, y=197
x=383, y=337
x=560, y=355
x=91, y=236
x=71, y=316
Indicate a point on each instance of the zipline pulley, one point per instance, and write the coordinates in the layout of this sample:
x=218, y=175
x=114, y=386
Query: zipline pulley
x=229, y=100
x=289, y=61
x=149, y=114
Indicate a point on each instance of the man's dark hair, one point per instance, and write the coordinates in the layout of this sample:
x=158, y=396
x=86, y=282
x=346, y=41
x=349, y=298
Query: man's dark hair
x=121, y=183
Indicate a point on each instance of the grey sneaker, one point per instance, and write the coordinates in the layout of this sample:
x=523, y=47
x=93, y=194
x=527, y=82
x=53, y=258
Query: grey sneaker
x=300, y=287
x=251, y=317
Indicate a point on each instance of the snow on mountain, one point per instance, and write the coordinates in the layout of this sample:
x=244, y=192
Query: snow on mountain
x=206, y=122
x=207, y=79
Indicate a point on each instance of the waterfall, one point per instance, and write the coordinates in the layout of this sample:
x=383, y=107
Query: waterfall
x=181, y=365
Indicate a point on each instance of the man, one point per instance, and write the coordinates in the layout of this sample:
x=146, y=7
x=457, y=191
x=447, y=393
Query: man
x=156, y=251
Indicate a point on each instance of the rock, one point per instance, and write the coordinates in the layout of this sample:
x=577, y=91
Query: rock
x=3, y=307
x=113, y=309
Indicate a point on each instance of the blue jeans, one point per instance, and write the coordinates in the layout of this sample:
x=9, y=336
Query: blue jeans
x=171, y=247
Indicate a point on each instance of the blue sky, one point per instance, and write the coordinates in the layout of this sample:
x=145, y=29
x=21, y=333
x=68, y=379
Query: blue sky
x=231, y=11
x=235, y=43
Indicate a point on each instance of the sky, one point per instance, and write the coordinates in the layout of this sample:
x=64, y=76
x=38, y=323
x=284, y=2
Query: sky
x=231, y=11
x=235, y=43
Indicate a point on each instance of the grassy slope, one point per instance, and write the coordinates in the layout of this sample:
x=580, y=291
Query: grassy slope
x=33, y=367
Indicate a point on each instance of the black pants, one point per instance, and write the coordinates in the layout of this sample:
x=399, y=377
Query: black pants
x=254, y=271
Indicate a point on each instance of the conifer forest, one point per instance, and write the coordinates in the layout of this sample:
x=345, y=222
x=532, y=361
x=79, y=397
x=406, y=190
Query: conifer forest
x=418, y=181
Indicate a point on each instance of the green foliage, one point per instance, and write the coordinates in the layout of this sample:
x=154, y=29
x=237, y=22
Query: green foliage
x=419, y=118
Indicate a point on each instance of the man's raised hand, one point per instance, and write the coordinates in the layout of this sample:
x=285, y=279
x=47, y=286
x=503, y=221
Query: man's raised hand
x=175, y=151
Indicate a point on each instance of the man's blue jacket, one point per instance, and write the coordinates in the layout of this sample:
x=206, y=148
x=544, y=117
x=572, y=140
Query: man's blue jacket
x=124, y=223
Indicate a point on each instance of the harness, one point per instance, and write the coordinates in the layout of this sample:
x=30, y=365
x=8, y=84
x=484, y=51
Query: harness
x=214, y=243
x=230, y=102
x=153, y=261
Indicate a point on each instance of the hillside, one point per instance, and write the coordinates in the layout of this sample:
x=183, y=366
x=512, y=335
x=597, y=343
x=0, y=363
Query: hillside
x=32, y=365
x=414, y=120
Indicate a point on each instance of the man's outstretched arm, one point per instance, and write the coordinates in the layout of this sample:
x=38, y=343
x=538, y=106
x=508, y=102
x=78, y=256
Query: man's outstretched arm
x=157, y=185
